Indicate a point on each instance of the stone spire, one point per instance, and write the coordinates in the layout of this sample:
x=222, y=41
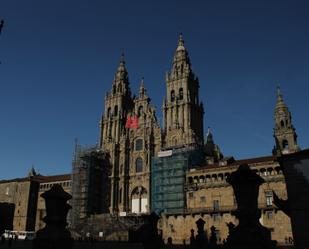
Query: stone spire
x=181, y=62
x=181, y=43
x=280, y=103
x=142, y=89
x=209, y=136
x=284, y=132
x=32, y=172
x=212, y=151
x=121, y=71
x=121, y=79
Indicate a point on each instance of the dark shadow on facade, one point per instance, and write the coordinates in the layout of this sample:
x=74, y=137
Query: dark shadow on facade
x=6, y=216
x=148, y=233
x=296, y=171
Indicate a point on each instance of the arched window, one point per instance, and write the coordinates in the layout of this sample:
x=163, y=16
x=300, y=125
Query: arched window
x=140, y=110
x=282, y=123
x=114, y=89
x=139, y=200
x=139, y=165
x=180, y=93
x=108, y=112
x=139, y=144
x=285, y=144
x=172, y=95
x=116, y=110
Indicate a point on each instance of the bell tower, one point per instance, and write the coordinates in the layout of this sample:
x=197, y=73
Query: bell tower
x=118, y=103
x=284, y=132
x=182, y=111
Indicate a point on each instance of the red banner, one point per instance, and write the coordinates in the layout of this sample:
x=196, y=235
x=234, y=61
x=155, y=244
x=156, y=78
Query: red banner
x=132, y=122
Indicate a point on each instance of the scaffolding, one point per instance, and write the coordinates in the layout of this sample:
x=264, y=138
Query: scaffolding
x=168, y=179
x=90, y=183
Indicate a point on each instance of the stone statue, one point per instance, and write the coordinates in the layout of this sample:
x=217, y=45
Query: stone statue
x=201, y=238
x=249, y=233
x=55, y=235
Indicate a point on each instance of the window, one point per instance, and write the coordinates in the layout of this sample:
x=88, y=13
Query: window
x=269, y=198
x=108, y=112
x=282, y=123
x=139, y=144
x=139, y=165
x=191, y=195
x=180, y=93
x=285, y=144
x=203, y=199
x=216, y=217
x=216, y=205
x=172, y=95
x=140, y=110
x=116, y=110
x=120, y=195
x=269, y=215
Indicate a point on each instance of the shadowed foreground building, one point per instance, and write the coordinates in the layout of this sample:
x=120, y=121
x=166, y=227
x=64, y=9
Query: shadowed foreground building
x=296, y=171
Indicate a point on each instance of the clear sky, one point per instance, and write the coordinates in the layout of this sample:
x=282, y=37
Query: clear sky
x=58, y=58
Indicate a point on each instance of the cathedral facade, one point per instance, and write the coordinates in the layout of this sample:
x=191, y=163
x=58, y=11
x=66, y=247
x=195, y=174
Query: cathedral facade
x=131, y=145
x=131, y=148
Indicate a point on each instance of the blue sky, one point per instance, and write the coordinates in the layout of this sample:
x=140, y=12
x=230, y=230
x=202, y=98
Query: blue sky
x=59, y=58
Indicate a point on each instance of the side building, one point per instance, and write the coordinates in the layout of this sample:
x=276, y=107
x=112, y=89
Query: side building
x=21, y=206
x=207, y=194
x=18, y=199
x=210, y=197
